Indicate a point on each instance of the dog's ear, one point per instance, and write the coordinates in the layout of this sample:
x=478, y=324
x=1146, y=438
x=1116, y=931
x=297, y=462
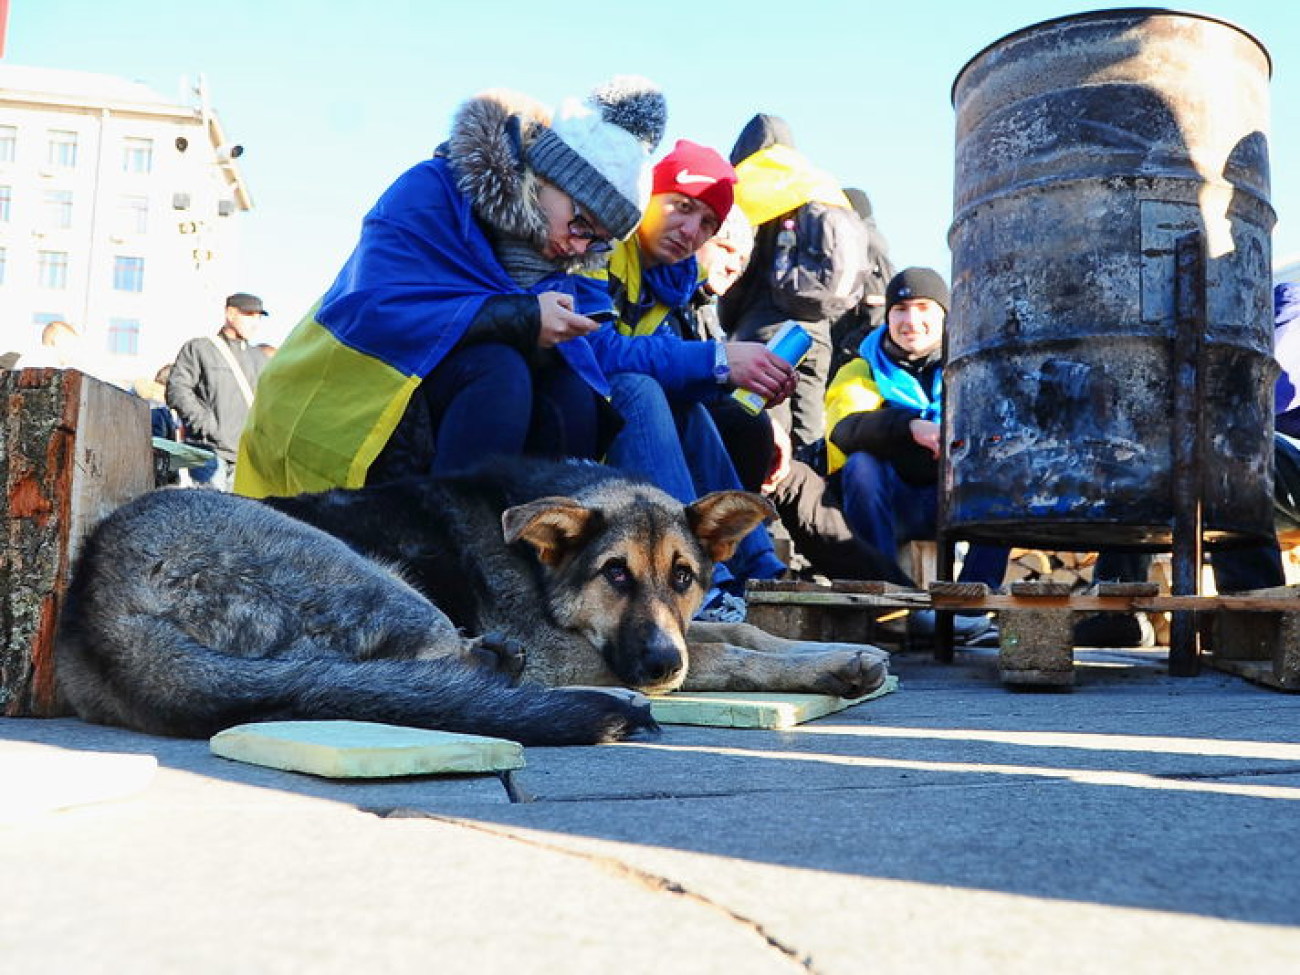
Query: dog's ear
x=721, y=519
x=552, y=526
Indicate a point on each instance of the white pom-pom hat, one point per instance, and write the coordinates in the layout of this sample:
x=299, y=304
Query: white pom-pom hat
x=597, y=150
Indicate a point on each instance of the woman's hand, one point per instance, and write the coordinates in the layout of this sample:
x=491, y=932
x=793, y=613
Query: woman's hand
x=756, y=368
x=559, y=321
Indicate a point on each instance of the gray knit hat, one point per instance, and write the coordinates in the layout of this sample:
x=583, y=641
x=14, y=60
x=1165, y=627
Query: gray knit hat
x=596, y=151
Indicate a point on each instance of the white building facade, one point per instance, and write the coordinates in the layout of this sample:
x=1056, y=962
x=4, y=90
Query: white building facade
x=119, y=214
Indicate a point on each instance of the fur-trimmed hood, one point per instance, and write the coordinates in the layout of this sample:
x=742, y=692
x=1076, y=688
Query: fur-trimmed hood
x=489, y=135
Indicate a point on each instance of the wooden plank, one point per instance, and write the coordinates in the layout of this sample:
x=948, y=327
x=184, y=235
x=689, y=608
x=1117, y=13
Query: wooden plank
x=826, y=597
x=754, y=709
x=1037, y=589
x=364, y=749
x=870, y=588
x=72, y=448
x=1127, y=589
x=958, y=590
x=1084, y=602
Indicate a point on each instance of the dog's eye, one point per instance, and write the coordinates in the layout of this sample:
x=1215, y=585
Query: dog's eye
x=618, y=576
x=683, y=577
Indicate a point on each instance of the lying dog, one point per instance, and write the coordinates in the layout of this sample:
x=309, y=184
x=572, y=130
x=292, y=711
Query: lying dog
x=190, y=611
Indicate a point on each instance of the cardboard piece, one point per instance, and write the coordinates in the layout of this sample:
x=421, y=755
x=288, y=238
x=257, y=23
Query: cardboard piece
x=754, y=709
x=364, y=749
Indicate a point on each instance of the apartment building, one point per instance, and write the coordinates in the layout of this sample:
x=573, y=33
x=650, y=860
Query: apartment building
x=118, y=214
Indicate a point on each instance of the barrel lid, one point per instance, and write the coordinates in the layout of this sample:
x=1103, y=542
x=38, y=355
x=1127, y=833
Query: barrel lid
x=1101, y=15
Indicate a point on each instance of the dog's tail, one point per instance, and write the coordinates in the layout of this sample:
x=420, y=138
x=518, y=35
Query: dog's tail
x=196, y=693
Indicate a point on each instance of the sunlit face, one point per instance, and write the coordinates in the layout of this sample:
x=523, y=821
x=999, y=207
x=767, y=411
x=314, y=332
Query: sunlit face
x=724, y=262
x=674, y=227
x=916, y=326
x=243, y=324
x=570, y=230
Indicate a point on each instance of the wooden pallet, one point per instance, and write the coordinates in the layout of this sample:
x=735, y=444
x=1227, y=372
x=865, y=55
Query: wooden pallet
x=1255, y=635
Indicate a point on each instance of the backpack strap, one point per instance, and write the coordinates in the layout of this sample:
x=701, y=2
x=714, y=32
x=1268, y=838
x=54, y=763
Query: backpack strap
x=235, y=367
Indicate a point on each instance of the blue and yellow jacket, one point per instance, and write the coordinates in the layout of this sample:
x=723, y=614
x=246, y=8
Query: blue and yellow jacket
x=649, y=331
x=870, y=412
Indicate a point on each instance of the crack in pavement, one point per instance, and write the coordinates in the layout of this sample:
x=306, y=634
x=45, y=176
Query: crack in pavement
x=619, y=868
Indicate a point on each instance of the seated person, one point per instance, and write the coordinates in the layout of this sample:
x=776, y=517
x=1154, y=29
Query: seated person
x=454, y=330
x=750, y=439
x=883, y=412
x=662, y=374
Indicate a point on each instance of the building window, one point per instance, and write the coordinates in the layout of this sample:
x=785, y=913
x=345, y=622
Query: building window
x=128, y=273
x=133, y=214
x=62, y=148
x=124, y=336
x=137, y=154
x=58, y=209
x=52, y=269
x=6, y=194
x=8, y=142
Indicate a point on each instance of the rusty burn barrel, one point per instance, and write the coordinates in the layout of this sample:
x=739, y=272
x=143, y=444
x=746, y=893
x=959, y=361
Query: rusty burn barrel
x=1086, y=146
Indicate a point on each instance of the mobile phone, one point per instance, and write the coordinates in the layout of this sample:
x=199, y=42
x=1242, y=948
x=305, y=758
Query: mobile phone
x=601, y=317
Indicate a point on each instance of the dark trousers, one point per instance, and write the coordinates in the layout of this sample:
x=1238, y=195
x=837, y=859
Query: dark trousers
x=483, y=400
x=810, y=513
x=1235, y=569
x=748, y=439
x=884, y=510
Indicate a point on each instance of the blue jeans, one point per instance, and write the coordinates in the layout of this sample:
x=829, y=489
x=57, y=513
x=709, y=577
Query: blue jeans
x=678, y=449
x=884, y=511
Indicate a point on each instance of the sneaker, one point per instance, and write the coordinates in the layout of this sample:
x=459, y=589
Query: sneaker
x=967, y=627
x=1115, y=630
x=722, y=607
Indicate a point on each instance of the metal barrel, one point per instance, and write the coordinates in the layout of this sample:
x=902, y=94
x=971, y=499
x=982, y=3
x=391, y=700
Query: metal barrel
x=1086, y=147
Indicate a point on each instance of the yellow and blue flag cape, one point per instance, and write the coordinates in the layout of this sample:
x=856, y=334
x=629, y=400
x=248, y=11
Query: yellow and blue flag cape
x=779, y=179
x=332, y=395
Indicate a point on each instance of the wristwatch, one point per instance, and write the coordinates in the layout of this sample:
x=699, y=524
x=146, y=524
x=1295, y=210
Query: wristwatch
x=721, y=368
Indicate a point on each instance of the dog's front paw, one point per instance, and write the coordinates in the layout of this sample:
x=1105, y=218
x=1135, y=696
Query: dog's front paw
x=496, y=653
x=852, y=673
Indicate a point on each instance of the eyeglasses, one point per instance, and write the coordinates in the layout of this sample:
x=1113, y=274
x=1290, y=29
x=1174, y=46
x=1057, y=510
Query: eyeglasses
x=580, y=228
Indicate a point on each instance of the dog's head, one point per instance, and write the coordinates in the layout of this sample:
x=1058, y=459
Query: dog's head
x=629, y=567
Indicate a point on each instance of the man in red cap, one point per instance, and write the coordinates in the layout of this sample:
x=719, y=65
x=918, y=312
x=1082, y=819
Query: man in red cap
x=665, y=397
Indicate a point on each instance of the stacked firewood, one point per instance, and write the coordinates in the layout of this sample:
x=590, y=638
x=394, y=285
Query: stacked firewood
x=1073, y=569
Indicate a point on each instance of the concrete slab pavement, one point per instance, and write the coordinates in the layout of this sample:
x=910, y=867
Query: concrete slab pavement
x=1139, y=823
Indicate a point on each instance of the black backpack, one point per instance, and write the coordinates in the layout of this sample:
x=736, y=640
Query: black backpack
x=822, y=273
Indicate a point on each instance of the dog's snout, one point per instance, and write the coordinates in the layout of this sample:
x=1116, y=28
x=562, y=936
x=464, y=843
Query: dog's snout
x=657, y=661
x=661, y=664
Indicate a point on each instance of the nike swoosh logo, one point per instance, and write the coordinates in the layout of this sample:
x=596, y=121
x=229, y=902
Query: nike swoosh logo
x=686, y=176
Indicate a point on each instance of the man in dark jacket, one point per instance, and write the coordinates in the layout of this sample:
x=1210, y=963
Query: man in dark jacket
x=809, y=261
x=211, y=387
x=883, y=413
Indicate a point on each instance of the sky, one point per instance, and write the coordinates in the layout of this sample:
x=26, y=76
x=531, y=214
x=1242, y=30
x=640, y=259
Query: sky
x=332, y=101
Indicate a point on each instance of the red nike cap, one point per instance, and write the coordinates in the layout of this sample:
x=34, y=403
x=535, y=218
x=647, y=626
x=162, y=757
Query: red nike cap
x=697, y=171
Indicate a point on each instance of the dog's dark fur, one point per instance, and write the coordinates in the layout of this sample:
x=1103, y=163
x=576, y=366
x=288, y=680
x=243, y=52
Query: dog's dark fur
x=192, y=610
